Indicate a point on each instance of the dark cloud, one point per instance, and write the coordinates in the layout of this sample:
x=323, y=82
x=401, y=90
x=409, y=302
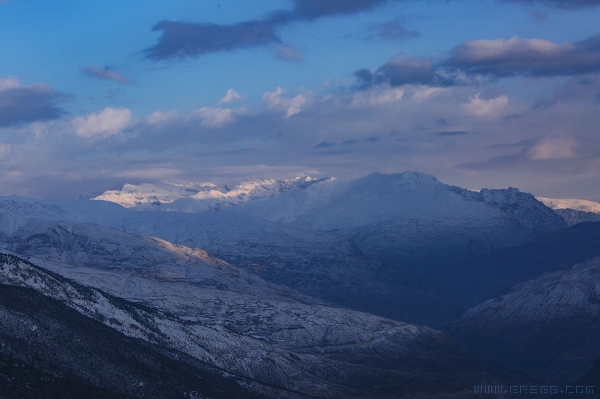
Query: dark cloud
x=526, y=57
x=313, y=9
x=568, y=4
x=513, y=116
x=393, y=30
x=400, y=70
x=499, y=58
x=26, y=104
x=325, y=144
x=451, y=133
x=106, y=73
x=181, y=39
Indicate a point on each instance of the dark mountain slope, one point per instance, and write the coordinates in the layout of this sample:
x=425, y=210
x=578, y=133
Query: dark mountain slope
x=487, y=276
x=50, y=350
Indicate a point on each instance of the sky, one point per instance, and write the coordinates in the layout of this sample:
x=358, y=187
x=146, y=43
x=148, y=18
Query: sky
x=480, y=93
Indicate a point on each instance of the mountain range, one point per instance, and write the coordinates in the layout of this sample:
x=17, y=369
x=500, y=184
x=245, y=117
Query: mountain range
x=300, y=288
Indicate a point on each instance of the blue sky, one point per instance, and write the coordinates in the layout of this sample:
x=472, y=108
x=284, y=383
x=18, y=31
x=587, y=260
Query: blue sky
x=480, y=93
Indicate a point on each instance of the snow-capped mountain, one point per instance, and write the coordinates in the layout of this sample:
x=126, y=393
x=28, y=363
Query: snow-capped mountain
x=355, y=243
x=411, y=219
x=574, y=210
x=575, y=204
x=199, y=197
x=187, y=301
x=550, y=325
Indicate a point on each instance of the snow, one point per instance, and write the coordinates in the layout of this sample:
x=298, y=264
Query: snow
x=202, y=306
x=199, y=197
x=563, y=294
x=576, y=204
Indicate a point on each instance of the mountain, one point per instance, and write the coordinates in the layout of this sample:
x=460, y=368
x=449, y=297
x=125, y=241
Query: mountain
x=549, y=326
x=573, y=210
x=199, y=197
x=414, y=222
x=49, y=350
x=492, y=274
x=185, y=300
x=371, y=244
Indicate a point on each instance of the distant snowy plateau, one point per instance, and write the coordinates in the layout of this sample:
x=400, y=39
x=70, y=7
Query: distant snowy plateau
x=299, y=288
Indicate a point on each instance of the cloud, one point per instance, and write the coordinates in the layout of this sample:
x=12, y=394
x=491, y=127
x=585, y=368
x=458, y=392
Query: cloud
x=26, y=104
x=374, y=97
x=94, y=71
x=216, y=117
x=451, y=133
x=400, y=70
x=313, y=9
x=287, y=53
x=230, y=97
x=556, y=148
x=105, y=123
x=482, y=107
x=568, y=4
x=325, y=144
x=159, y=117
x=277, y=101
x=527, y=57
x=393, y=30
x=187, y=147
x=472, y=62
x=183, y=39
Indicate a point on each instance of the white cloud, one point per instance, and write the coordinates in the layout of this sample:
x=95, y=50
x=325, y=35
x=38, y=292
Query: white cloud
x=230, y=97
x=5, y=149
x=424, y=92
x=216, y=117
x=480, y=107
x=377, y=96
x=105, y=123
x=487, y=50
x=277, y=101
x=557, y=148
x=9, y=83
x=159, y=117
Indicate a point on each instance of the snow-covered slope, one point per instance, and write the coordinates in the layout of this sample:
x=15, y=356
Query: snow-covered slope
x=575, y=291
x=574, y=210
x=199, y=197
x=414, y=221
x=550, y=325
x=188, y=301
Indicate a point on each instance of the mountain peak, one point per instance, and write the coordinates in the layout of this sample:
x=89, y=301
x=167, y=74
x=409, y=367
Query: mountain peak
x=379, y=180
